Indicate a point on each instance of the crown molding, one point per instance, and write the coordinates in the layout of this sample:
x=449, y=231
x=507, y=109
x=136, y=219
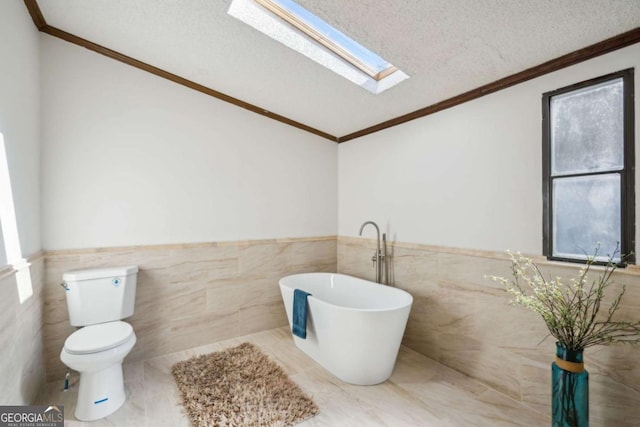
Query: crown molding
x=609, y=45
x=589, y=52
x=41, y=24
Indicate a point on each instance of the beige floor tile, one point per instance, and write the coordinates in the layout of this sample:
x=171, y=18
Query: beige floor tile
x=421, y=392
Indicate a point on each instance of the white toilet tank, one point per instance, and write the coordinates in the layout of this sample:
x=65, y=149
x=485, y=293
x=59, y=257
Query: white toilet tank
x=100, y=295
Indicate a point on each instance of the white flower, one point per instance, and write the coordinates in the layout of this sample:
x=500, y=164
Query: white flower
x=571, y=312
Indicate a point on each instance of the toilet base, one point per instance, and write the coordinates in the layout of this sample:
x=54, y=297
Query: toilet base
x=100, y=393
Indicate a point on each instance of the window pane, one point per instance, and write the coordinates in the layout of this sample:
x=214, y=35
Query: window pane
x=586, y=211
x=587, y=129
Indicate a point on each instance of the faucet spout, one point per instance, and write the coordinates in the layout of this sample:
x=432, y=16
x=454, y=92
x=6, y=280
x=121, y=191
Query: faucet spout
x=372, y=223
x=378, y=257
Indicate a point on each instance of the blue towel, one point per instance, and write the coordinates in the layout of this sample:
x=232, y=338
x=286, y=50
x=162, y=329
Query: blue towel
x=299, y=327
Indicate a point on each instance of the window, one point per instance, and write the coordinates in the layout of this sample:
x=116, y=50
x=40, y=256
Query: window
x=350, y=50
x=300, y=30
x=588, y=164
x=9, y=228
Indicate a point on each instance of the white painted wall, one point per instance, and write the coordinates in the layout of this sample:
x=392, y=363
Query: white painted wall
x=19, y=119
x=467, y=177
x=132, y=159
x=129, y=158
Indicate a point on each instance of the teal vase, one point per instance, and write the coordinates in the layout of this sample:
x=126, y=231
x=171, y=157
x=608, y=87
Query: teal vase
x=569, y=389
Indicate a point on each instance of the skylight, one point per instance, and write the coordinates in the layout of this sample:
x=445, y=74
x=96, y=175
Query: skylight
x=329, y=37
x=291, y=24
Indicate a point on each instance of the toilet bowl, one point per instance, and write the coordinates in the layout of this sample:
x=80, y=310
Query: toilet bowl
x=97, y=352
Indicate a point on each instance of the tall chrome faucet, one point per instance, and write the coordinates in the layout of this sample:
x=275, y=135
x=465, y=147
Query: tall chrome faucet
x=380, y=257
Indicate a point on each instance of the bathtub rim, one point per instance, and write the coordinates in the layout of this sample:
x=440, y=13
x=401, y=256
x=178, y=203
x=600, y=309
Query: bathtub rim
x=342, y=307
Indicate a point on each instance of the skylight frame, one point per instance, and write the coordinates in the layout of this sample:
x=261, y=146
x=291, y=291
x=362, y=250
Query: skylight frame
x=328, y=36
x=268, y=23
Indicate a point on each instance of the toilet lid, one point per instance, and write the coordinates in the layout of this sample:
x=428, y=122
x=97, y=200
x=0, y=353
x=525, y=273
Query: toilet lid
x=100, y=337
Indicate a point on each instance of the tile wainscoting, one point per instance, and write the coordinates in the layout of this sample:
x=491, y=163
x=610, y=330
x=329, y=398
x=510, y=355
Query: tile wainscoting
x=188, y=295
x=21, y=354
x=464, y=321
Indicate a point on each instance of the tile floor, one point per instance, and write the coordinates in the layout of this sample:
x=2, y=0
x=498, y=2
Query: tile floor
x=421, y=392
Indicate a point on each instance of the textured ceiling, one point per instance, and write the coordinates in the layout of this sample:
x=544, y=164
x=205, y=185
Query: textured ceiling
x=447, y=47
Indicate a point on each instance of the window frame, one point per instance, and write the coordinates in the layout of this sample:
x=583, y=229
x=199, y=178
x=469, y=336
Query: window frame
x=627, y=174
x=327, y=41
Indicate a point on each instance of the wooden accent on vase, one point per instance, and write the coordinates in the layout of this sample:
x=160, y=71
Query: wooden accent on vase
x=609, y=45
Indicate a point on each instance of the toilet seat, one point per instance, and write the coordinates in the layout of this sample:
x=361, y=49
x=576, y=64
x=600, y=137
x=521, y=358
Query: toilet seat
x=97, y=338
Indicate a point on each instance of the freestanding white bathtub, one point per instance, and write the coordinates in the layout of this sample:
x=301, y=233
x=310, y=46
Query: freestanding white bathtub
x=354, y=327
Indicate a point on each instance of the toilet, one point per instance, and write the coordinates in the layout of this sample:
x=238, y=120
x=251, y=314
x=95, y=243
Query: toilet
x=98, y=300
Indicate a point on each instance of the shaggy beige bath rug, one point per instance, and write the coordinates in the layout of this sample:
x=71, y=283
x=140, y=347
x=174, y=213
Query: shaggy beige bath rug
x=240, y=386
